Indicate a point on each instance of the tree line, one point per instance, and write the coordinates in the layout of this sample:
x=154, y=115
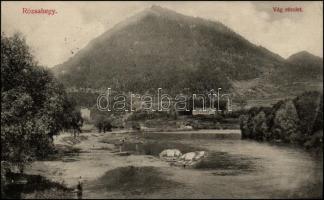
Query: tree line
x=296, y=121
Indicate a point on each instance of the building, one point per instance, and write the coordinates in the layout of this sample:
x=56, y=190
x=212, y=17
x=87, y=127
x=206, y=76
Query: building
x=85, y=113
x=206, y=111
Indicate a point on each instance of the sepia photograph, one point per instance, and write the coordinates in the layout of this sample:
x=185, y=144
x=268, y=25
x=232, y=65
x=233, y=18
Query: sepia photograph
x=161, y=99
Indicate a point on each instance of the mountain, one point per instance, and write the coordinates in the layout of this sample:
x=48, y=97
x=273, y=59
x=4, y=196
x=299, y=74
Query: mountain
x=161, y=48
x=305, y=57
x=305, y=66
x=301, y=67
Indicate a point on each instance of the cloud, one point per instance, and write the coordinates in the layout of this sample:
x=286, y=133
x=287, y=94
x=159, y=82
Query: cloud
x=56, y=38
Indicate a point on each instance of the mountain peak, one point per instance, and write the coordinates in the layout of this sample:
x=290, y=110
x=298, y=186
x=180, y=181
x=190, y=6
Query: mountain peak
x=161, y=11
x=156, y=7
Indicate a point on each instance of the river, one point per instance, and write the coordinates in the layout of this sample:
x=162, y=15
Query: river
x=234, y=168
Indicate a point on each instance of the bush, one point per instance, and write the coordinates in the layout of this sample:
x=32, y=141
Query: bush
x=136, y=126
x=144, y=115
x=103, y=124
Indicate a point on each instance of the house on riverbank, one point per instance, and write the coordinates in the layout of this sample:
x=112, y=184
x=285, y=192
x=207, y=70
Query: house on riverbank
x=85, y=113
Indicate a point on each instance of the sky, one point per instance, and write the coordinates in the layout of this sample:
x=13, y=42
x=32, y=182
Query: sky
x=55, y=38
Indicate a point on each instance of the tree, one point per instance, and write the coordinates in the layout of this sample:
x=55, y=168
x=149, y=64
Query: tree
x=309, y=107
x=244, y=126
x=102, y=123
x=309, y=110
x=34, y=106
x=260, y=126
x=286, y=122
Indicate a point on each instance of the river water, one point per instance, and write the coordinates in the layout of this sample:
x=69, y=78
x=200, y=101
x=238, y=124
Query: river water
x=234, y=168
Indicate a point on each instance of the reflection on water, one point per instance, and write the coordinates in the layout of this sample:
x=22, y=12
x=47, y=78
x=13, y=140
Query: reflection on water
x=133, y=180
x=154, y=147
x=226, y=161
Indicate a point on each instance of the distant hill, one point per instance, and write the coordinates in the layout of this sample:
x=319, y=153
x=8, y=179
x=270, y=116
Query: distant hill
x=305, y=65
x=305, y=58
x=161, y=48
